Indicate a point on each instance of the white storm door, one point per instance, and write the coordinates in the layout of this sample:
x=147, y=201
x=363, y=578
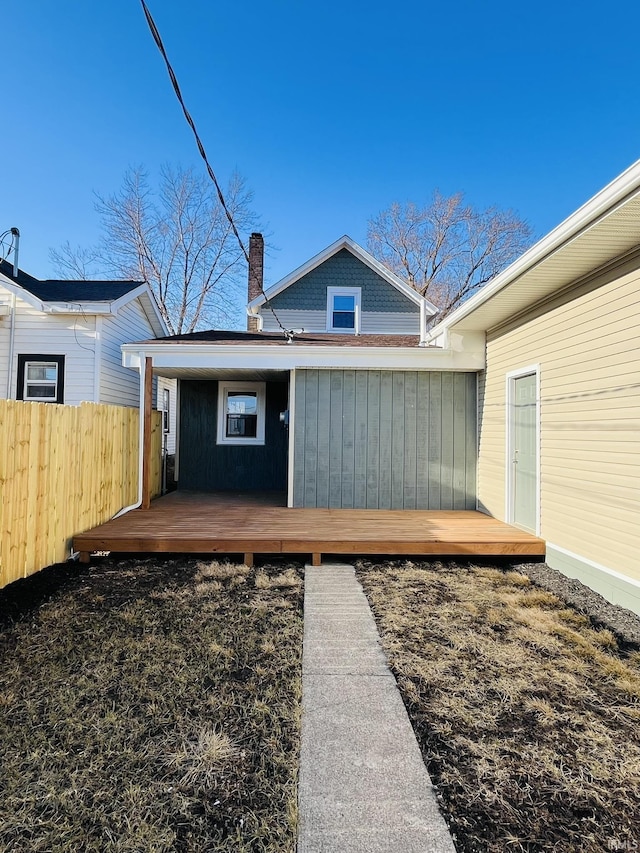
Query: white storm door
x=523, y=451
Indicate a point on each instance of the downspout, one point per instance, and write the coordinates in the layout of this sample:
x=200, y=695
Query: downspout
x=138, y=503
x=12, y=339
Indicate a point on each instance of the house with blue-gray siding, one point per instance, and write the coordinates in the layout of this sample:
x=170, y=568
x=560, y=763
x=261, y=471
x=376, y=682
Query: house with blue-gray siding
x=331, y=397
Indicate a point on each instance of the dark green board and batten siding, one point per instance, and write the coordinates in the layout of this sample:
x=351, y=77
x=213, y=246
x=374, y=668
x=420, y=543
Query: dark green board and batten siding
x=207, y=466
x=381, y=439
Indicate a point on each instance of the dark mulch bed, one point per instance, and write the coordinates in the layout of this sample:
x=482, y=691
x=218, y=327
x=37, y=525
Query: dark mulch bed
x=150, y=705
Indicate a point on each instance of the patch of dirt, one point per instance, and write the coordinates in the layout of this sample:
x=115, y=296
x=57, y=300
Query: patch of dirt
x=150, y=705
x=527, y=710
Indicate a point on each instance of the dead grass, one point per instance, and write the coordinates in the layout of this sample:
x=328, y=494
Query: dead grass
x=153, y=705
x=527, y=715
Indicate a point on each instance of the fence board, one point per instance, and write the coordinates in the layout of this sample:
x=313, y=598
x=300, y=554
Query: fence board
x=64, y=469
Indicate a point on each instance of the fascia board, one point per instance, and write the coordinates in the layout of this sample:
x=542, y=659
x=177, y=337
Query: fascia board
x=77, y=308
x=21, y=293
x=289, y=357
x=345, y=242
x=614, y=195
x=149, y=306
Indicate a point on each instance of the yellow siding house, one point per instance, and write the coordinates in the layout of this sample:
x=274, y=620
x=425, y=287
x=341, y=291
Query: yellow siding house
x=559, y=399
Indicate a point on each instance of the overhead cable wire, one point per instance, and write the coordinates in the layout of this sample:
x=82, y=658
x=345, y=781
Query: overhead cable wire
x=174, y=82
x=176, y=86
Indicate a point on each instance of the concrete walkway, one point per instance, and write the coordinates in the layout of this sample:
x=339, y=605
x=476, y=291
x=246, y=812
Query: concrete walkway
x=363, y=785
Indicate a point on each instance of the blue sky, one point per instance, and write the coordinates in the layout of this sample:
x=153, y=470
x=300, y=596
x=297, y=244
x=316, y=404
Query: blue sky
x=330, y=111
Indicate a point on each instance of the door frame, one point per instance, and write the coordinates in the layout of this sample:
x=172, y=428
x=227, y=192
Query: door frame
x=510, y=378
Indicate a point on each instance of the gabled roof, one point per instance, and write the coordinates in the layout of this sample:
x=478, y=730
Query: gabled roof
x=61, y=296
x=344, y=242
x=62, y=290
x=604, y=229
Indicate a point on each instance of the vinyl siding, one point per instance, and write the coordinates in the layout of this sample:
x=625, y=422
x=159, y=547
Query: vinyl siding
x=70, y=335
x=381, y=439
x=384, y=309
x=586, y=344
x=120, y=385
x=372, y=323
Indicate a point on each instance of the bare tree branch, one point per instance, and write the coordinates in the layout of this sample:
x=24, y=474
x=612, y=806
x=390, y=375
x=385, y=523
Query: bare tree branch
x=176, y=237
x=447, y=249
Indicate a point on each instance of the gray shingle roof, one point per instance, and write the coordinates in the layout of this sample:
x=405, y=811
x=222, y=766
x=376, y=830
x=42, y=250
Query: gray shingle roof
x=61, y=290
x=224, y=337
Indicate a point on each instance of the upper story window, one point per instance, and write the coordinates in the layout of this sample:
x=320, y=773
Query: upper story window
x=343, y=309
x=241, y=412
x=40, y=378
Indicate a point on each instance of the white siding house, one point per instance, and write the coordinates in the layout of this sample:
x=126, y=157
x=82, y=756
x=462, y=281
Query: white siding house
x=60, y=340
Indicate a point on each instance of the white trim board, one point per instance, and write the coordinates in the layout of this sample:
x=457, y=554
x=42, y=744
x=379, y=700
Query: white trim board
x=291, y=442
x=610, y=584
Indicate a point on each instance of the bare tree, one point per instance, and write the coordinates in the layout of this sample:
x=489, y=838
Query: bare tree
x=177, y=238
x=447, y=249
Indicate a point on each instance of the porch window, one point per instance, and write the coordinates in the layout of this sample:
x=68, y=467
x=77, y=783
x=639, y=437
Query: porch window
x=40, y=378
x=343, y=310
x=166, y=411
x=241, y=412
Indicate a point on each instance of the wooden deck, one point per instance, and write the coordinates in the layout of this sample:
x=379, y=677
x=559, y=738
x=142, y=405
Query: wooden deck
x=248, y=524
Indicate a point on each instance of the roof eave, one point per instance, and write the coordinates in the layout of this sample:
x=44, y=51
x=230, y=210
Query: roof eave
x=345, y=242
x=616, y=193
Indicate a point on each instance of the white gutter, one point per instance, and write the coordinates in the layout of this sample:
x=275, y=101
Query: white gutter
x=138, y=503
x=604, y=202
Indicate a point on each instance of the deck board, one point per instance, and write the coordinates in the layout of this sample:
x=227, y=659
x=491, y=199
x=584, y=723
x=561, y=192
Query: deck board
x=231, y=523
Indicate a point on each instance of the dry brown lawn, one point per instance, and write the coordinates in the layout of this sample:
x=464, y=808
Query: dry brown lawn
x=527, y=714
x=150, y=706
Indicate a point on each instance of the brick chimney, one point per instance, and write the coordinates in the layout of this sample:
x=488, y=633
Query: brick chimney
x=256, y=275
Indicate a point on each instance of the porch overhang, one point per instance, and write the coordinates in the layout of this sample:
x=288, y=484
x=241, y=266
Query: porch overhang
x=184, y=360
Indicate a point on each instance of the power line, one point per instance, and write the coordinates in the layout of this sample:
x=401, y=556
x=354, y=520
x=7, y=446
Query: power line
x=174, y=82
x=191, y=123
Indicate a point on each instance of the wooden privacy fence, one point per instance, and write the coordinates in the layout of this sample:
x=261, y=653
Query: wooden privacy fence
x=64, y=469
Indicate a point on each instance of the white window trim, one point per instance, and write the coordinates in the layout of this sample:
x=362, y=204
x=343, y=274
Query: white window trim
x=166, y=411
x=344, y=291
x=52, y=383
x=223, y=390
x=511, y=376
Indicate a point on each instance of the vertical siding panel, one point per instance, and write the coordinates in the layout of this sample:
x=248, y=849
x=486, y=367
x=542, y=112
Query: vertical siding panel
x=336, y=438
x=471, y=441
x=386, y=436
x=435, y=440
x=446, y=444
x=422, y=440
x=324, y=426
x=410, y=449
x=360, y=439
x=311, y=439
x=299, y=432
x=459, y=441
x=373, y=442
x=348, y=439
x=398, y=415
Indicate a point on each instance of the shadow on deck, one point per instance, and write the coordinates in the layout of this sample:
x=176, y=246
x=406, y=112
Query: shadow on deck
x=260, y=523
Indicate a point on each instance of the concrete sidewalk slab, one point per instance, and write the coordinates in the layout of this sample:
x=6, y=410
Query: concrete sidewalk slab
x=363, y=785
